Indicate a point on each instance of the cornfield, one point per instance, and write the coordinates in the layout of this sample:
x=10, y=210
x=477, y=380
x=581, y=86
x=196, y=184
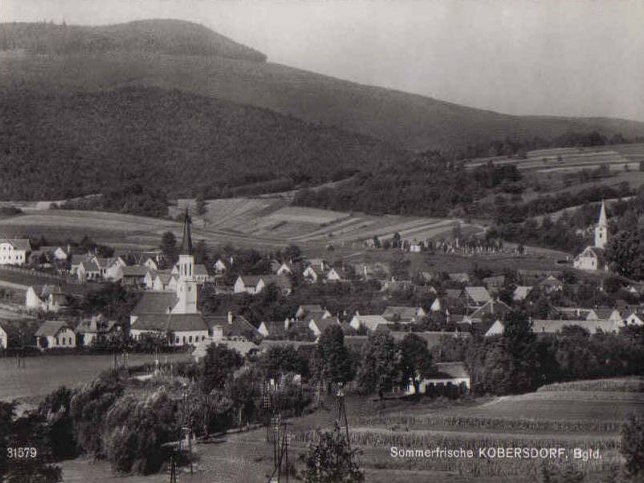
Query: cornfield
x=631, y=384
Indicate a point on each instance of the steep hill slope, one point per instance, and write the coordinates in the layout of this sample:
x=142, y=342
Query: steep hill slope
x=410, y=121
x=62, y=145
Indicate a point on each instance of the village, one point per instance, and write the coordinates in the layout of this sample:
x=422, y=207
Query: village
x=168, y=310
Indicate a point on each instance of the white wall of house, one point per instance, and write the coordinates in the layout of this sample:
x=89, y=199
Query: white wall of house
x=12, y=256
x=3, y=339
x=65, y=338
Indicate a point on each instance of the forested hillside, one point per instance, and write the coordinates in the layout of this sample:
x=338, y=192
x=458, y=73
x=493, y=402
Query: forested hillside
x=64, y=145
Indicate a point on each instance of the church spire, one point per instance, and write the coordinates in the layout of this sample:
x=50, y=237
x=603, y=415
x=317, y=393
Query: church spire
x=186, y=242
x=602, y=215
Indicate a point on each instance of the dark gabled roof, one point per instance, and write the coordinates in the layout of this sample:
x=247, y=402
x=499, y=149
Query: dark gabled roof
x=452, y=369
x=275, y=327
x=170, y=322
x=355, y=342
x=267, y=344
x=433, y=339
x=200, y=269
x=280, y=281
x=95, y=325
x=155, y=303
x=480, y=295
x=18, y=243
x=453, y=293
x=324, y=324
x=77, y=259
x=306, y=308
x=250, y=280
x=239, y=327
x=135, y=271
x=90, y=266
x=50, y=328
x=315, y=315
x=491, y=307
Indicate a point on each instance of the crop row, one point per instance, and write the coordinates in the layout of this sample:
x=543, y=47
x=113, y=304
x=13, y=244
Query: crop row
x=610, y=385
x=479, y=422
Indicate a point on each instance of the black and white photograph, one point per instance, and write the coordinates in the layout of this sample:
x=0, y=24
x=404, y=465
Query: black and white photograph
x=320, y=241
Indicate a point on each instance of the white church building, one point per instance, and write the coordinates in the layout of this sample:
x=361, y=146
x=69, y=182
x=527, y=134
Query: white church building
x=592, y=257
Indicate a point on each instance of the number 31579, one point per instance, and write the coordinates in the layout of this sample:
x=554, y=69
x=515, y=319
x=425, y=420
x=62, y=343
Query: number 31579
x=23, y=452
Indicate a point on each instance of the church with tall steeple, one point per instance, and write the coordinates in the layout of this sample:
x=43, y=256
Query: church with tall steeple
x=174, y=314
x=592, y=257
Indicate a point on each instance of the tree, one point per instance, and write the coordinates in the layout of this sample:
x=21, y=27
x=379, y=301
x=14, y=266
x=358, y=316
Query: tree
x=280, y=360
x=625, y=253
x=331, y=459
x=218, y=366
x=332, y=361
x=414, y=360
x=169, y=248
x=632, y=445
x=377, y=367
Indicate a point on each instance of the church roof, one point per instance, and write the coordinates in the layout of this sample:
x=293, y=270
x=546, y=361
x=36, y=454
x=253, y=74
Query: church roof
x=155, y=303
x=170, y=322
x=186, y=241
x=602, y=215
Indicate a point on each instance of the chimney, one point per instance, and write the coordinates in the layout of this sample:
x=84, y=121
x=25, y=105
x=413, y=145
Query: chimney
x=230, y=317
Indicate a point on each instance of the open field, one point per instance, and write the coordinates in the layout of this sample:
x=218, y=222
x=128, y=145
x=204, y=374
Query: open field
x=247, y=222
x=43, y=374
x=569, y=419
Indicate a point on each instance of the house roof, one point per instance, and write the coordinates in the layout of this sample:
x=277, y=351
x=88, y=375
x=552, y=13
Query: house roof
x=480, y=295
x=324, y=324
x=155, y=303
x=551, y=281
x=602, y=312
x=266, y=344
x=355, y=342
x=250, y=280
x=95, y=325
x=372, y=322
x=274, y=327
x=400, y=313
x=19, y=243
x=453, y=293
x=89, y=266
x=77, y=259
x=306, y=308
x=494, y=280
x=50, y=328
x=431, y=338
x=200, y=269
x=280, y=281
x=239, y=327
x=521, y=292
x=135, y=271
x=452, y=369
x=316, y=315
x=553, y=326
x=491, y=307
x=170, y=322
x=459, y=277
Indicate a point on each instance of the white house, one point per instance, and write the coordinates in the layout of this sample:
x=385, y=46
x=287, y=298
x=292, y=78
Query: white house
x=95, y=329
x=54, y=334
x=403, y=315
x=313, y=274
x=636, y=318
x=319, y=325
x=333, y=276
x=592, y=257
x=48, y=298
x=254, y=284
x=220, y=266
x=14, y=251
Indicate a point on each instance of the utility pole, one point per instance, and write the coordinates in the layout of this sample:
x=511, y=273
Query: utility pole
x=342, y=411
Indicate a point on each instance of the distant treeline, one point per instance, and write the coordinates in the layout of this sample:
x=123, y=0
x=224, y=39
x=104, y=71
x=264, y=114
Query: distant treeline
x=520, y=147
x=133, y=199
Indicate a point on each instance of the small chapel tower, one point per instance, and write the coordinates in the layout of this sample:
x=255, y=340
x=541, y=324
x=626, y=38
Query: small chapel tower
x=187, y=285
x=601, y=229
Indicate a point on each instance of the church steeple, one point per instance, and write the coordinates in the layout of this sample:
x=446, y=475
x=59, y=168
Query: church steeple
x=186, y=241
x=601, y=229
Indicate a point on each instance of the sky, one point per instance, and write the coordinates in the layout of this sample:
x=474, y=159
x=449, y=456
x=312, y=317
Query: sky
x=549, y=57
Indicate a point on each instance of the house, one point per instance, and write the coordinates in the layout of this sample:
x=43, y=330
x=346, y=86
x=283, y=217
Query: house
x=495, y=329
x=492, y=307
x=313, y=274
x=592, y=257
x=283, y=268
x=159, y=281
x=173, y=315
x=446, y=374
x=48, y=298
x=432, y=338
x=254, y=284
x=551, y=285
x=605, y=313
x=88, y=270
x=592, y=326
x=14, y=251
x=275, y=329
x=54, y=334
x=96, y=329
x=370, y=322
x=4, y=339
x=134, y=276
x=635, y=318
x=151, y=263
x=372, y=271
x=201, y=274
x=220, y=266
x=572, y=313
x=521, y=293
x=319, y=325
x=476, y=297
x=403, y=315
x=333, y=275
x=55, y=253
x=415, y=247
x=233, y=327
x=302, y=310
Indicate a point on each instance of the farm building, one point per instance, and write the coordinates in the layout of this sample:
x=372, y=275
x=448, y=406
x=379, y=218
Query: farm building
x=55, y=253
x=233, y=327
x=453, y=374
x=605, y=313
x=54, y=334
x=305, y=309
x=160, y=281
x=254, y=284
x=88, y=270
x=14, y=251
x=521, y=293
x=319, y=325
x=134, y=276
x=275, y=329
x=551, y=285
x=549, y=326
x=48, y=298
x=494, y=284
x=97, y=328
x=494, y=307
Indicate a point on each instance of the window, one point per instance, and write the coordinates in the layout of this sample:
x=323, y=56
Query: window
x=189, y=338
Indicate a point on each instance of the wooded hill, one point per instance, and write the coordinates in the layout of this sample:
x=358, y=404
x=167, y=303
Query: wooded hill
x=177, y=55
x=64, y=145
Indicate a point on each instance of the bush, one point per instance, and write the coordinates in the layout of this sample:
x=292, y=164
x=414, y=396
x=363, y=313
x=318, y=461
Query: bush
x=632, y=446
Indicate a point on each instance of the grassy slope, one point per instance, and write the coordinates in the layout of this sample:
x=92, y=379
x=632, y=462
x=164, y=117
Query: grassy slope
x=413, y=121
